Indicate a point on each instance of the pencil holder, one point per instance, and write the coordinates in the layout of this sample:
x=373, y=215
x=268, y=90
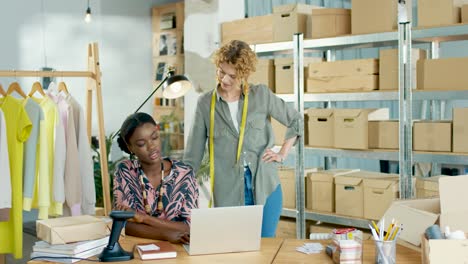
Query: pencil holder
x=385, y=252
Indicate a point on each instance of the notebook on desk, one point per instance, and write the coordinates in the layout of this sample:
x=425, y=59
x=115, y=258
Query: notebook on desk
x=225, y=229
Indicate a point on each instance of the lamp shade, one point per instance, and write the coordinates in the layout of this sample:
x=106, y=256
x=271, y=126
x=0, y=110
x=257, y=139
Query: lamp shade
x=176, y=86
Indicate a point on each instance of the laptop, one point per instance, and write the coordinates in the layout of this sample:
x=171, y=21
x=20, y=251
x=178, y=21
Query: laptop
x=225, y=229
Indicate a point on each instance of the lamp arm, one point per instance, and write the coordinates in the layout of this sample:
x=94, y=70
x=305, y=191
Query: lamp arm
x=146, y=100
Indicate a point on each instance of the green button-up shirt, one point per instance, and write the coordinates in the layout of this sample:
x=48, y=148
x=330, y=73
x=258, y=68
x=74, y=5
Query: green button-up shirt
x=229, y=174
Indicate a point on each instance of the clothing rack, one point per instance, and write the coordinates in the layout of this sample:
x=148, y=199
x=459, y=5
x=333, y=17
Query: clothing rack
x=93, y=75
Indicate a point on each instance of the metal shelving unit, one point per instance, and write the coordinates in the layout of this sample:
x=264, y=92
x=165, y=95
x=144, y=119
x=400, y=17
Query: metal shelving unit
x=404, y=38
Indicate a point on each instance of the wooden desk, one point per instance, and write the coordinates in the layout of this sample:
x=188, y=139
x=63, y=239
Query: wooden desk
x=288, y=253
x=269, y=248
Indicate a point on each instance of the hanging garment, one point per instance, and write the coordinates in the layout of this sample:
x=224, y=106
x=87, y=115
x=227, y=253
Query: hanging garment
x=54, y=191
x=35, y=167
x=5, y=181
x=88, y=197
x=72, y=179
x=18, y=130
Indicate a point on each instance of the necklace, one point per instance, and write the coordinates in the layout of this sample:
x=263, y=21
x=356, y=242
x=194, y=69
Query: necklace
x=161, y=191
x=211, y=145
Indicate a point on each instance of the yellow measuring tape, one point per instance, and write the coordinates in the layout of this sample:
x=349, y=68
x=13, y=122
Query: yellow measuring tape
x=239, y=144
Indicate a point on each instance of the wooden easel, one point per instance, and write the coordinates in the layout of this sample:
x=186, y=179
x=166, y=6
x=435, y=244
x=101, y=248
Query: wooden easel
x=93, y=83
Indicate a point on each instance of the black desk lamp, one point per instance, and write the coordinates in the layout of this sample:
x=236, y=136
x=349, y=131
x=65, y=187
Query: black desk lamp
x=175, y=86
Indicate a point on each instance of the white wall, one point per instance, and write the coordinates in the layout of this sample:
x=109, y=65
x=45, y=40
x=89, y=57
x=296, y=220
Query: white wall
x=59, y=35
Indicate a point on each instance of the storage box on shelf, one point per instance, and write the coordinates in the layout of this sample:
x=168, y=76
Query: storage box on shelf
x=343, y=76
x=383, y=134
x=290, y=19
x=379, y=193
x=460, y=130
x=443, y=74
x=464, y=14
x=284, y=73
x=253, y=30
x=264, y=74
x=288, y=184
x=427, y=187
x=432, y=136
x=351, y=126
x=439, y=12
x=370, y=16
x=330, y=22
x=320, y=124
x=321, y=189
x=388, y=68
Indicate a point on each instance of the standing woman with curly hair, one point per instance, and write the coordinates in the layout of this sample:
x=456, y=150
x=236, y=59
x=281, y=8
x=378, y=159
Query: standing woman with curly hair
x=234, y=119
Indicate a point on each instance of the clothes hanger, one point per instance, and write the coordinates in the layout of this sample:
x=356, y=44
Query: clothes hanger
x=37, y=87
x=2, y=92
x=62, y=87
x=15, y=87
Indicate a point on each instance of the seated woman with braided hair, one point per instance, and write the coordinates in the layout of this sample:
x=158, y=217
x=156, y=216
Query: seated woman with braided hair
x=161, y=191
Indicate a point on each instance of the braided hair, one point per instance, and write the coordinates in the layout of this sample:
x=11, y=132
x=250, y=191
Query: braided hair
x=131, y=123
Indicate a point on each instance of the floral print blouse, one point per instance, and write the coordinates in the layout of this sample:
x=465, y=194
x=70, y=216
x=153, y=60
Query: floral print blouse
x=179, y=197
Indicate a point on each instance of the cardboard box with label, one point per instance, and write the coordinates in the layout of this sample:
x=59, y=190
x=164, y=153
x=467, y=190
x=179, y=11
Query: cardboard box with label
x=290, y=19
x=388, y=68
x=284, y=73
x=379, y=193
x=443, y=74
x=460, y=130
x=433, y=13
x=342, y=76
x=330, y=22
x=321, y=189
x=253, y=30
x=427, y=187
x=264, y=74
x=351, y=126
x=320, y=127
x=71, y=229
x=432, y=136
x=383, y=134
x=372, y=16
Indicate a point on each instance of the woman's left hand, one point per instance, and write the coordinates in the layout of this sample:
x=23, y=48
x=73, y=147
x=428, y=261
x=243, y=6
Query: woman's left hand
x=270, y=156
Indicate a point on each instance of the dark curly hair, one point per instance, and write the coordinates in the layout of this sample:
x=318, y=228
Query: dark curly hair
x=132, y=122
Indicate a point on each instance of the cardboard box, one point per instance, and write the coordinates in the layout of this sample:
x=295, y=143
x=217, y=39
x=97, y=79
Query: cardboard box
x=344, y=68
x=443, y=74
x=287, y=178
x=71, y=229
x=288, y=185
x=453, y=201
x=415, y=215
x=253, y=30
x=344, y=75
x=432, y=136
x=279, y=130
x=464, y=14
x=349, y=192
x=284, y=73
x=388, y=68
x=444, y=251
x=439, y=12
x=460, y=130
x=320, y=127
x=351, y=126
x=321, y=189
x=264, y=74
x=290, y=19
x=371, y=16
x=379, y=194
x=330, y=22
x=384, y=134
x=427, y=187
